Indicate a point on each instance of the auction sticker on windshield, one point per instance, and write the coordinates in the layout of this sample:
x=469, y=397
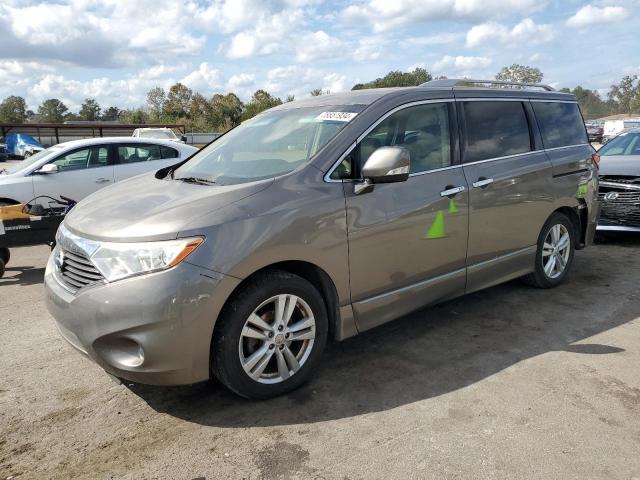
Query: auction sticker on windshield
x=336, y=116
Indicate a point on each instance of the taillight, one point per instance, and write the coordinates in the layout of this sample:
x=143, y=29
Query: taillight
x=596, y=159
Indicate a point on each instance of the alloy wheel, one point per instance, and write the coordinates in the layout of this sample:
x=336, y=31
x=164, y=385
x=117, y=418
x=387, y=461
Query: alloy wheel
x=556, y=251
x=277, y=339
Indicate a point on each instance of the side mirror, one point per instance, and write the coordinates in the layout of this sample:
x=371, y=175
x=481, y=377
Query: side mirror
x=385, y=165
x=48, y=169
x=183, y=138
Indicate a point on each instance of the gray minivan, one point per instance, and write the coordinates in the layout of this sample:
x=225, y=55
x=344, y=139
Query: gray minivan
x=320, y=219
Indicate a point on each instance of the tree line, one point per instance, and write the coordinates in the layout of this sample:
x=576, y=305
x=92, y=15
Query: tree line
x=220, y=112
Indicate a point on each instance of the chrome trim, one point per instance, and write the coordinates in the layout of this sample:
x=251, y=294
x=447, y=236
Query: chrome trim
x=502, y=158
x=374, y=125
x=567, y=146
x=417, y=174
x=452, y=191
x=623, y=186
x=522, y=251
x=542, y=100
x=614, y=228
x=482, y=183
x=412, y=286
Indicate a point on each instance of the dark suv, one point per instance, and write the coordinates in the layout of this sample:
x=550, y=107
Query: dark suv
x=319, y=219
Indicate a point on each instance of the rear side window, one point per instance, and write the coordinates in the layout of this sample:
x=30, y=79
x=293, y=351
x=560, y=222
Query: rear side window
x=495, y=129
x=135, y=153
x=560, y=123
x=168, y=152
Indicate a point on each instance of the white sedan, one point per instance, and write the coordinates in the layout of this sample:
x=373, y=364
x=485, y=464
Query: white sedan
x=78, y=168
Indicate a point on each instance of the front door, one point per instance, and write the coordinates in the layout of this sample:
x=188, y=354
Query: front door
x=408, y=240
x=80, y=173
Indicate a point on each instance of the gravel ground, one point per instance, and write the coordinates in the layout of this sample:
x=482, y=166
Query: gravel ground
x=512, y=382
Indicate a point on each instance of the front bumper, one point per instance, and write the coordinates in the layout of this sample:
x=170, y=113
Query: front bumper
x=153, y=329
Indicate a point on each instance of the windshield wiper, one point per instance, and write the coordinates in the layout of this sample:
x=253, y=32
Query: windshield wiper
x=199, y=181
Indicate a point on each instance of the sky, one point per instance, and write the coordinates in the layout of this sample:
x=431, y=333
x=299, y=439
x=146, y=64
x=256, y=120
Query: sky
x=117, y=50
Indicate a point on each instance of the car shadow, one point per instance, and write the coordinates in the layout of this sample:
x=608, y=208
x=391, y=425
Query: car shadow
x=25, y=276
x=434, y=351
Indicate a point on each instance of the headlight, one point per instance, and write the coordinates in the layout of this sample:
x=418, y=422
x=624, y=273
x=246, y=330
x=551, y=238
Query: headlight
x=120, y=260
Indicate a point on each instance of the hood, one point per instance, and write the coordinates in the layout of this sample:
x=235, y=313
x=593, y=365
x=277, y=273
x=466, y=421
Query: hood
x=145, y=208
x=620, y=165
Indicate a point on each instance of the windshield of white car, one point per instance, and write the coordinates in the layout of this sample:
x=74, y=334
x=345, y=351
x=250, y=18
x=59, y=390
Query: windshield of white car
x=158, y=134
x=32, y=160
x=623, y=144
x=271, y=144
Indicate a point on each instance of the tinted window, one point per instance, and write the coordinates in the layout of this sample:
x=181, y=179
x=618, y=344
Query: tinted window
x=560, y=124
x=495, y=129
x=138, y=153
x=85, y=158
x=168, y=152
x=423, y=130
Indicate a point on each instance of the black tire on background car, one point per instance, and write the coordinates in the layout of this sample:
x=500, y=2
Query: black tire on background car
x=554, y=255
x=5, y=255
x=270, y=335
x=1, y=268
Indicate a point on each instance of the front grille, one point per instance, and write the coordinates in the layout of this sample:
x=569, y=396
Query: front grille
x=77, y=271
x=620, y=205
x=624, y=179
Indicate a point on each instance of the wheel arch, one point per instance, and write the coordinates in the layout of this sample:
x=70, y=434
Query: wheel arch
x=8, y=201
x=578, y=217
x=314, y=275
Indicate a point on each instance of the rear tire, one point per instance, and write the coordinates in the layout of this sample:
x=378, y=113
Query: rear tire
x=270, y=336
x=554, y=255
x=1, y=268
x=5, y=255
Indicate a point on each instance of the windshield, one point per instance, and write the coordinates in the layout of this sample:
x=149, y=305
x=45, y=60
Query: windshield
x=32, y=160
x=623, y=144
x=270, y=144
x=158, y=134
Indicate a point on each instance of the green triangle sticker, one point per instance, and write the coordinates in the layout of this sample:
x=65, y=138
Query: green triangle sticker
x=436, y=230
x=452, y=206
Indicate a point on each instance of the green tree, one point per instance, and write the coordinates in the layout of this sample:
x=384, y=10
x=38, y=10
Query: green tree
x=316, y=92
x=137, y=116
x=226, y=111
x=626, y=94
x=90, y=110
x=520, y=73
x=397, y=78
x=13, y=109
x=111, y=114
x=290, y=98
x=591, y=104
x=178, y=103
x=52, y=110
x=200, y=114
x=260, y=101
x=156, y=99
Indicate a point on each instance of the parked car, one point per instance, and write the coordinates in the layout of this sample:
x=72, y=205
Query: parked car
x=4, y=155
x=76, y=169
x=159, y=133
x=619, y=189
x=595, y=132
x=318, y=219
x=22, y=145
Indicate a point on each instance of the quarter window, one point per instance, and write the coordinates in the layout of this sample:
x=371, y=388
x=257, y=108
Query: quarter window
x=561, y=124
x=138, y=153
x=168, y=152
x=92, y=157
x=423, y=130
x=495, y=129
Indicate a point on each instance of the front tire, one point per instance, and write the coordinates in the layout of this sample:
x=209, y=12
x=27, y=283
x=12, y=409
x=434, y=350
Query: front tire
x=554, y=255
x=5, y=255
x=270, y=336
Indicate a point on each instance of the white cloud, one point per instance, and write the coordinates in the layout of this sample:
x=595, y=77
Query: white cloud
x=299, y=81
x=591, y=15
x=385, y=15
x=205, y=79
x=461, y=65
x=316, y=46
x=430, y=40
x=526, y=30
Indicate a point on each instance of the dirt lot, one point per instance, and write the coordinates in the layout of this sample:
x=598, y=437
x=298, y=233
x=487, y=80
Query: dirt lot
x=508, y=383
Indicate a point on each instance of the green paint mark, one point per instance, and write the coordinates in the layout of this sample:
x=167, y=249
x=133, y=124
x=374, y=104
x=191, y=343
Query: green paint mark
x=452, y=206
x=436, y=230
x=582, y=191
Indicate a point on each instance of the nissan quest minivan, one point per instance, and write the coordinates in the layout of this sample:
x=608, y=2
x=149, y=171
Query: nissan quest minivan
x=320, y=219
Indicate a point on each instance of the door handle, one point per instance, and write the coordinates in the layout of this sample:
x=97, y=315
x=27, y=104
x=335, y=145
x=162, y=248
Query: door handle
x=102, y=180
x=482, y=182
x=451, y=191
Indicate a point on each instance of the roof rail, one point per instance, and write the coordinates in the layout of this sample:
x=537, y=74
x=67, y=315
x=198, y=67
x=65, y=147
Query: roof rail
x=455, y=82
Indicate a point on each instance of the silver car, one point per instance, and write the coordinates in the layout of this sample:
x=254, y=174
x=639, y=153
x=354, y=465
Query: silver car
x=318, y=220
